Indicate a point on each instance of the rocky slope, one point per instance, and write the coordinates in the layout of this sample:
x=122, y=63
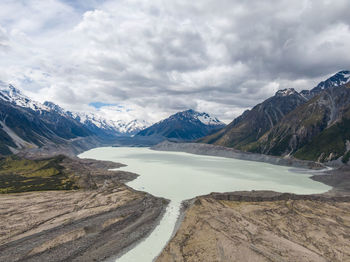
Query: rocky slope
x=26, y=124
x=186, y=125
x=254, y=123
x=262, y=226
x=318, y=130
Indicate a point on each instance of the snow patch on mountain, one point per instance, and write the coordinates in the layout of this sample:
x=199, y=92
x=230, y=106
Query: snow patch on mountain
x=339, y=79
x=14, y=96
x=286, y=92
x=208, y=120
x=119, y=126
x=91, y=120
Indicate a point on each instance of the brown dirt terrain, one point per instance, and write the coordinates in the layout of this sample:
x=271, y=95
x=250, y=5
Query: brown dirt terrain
x=262, y=226
x=90, y=224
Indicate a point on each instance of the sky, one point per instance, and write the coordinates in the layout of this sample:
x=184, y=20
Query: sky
x=148, y=59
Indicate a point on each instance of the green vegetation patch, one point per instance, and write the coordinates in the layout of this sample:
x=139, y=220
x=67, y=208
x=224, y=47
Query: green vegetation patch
x=24, y=175
x=330, y=140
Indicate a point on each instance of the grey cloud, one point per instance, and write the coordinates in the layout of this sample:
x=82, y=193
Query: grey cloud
x=170, y=55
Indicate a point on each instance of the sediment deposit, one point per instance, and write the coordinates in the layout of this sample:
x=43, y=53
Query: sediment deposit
x=93, y=223
x=262, y=226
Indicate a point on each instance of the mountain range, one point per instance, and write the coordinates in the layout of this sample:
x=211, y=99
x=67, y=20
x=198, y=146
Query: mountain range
x=311, y=124
x=99, y=125
x=27, y=124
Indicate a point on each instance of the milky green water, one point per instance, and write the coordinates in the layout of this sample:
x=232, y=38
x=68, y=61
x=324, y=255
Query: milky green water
x=179, y=176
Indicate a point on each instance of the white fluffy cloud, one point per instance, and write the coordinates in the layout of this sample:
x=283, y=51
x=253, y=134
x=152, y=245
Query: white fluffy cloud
x=157, y=57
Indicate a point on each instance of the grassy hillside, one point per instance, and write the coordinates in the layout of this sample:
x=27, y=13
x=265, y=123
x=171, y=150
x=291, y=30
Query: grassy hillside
x=23, y=175
x=328, y=145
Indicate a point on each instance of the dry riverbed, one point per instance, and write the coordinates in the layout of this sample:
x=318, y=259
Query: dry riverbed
x=93, y=223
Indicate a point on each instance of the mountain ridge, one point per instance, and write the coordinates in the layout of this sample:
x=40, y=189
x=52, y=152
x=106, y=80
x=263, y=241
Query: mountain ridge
x=34, y=126
x=319, y=114
x=100, y=125
x=252, y=124
x=26, y=124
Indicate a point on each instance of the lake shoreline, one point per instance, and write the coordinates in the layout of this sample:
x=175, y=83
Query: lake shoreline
x=336, y=177
x=220, y=151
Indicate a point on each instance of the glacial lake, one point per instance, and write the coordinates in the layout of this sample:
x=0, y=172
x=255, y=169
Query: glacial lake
x=180, y=176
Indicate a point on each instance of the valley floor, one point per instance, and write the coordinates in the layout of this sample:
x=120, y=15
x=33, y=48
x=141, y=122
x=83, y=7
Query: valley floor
x=105, y=217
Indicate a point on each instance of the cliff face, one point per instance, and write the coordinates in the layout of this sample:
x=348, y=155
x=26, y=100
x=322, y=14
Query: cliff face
x=317, y=130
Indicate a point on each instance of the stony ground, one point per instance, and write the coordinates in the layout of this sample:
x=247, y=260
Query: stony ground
x=90, y=224
x=265, y=227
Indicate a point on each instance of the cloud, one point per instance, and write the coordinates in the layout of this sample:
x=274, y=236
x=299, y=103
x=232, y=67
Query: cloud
x=158, y=57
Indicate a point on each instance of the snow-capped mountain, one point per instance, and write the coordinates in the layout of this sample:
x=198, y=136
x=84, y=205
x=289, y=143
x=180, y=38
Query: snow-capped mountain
x=25, y=123
x=101, y=126
x=339, y=79
x=286, y=92
x=135, y=126
x=54, y=107
x=185, y=125
x=93, y=122
x=14, y=96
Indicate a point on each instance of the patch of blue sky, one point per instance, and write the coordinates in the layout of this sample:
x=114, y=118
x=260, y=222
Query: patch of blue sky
x=83, y=5
x=98, y=105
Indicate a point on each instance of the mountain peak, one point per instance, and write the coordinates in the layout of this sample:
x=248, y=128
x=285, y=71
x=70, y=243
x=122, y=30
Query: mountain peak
x=54, y=107
x=344, y=72
x=286, y=92
x=14, y=96
x=338, y=79
x=9, y=89
x=193, y=115
x=184, y=125
x=14, y=89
